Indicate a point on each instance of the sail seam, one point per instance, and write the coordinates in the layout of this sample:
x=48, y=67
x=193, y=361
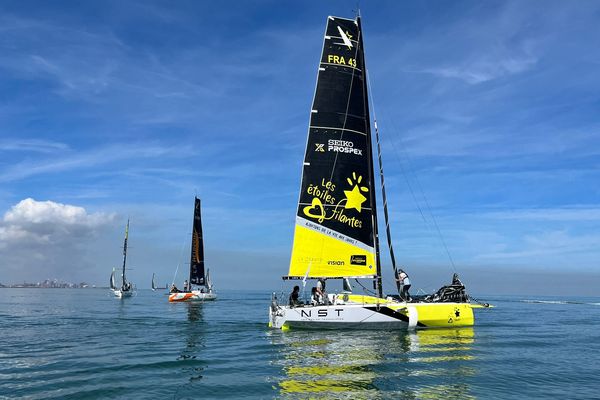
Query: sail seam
x=339, y=129
x=342, y=66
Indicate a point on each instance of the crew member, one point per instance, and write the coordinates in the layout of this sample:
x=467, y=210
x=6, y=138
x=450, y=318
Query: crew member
x=404, y=281
x=321, y=290
x=294, y=301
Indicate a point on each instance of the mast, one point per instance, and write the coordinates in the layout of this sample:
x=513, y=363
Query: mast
x=125, y=253
x=378, y=281
x=388, y=232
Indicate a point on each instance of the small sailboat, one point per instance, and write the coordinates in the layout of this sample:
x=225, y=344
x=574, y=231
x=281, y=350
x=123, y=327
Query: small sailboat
x=336, y=235
x=154, y=287
x=199, y=277
x=126, y=289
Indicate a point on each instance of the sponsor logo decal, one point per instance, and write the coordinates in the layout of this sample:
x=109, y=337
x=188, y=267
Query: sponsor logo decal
x=338, y=146
x=354, y=197
x=345, y=37
x=342, y=146
x=325, y=193
x=322, y=313
x=359, y=259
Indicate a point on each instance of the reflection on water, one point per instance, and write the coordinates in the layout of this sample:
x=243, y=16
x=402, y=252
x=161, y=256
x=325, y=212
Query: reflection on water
x=194, y=341
x=370, y=365
x=194, y=312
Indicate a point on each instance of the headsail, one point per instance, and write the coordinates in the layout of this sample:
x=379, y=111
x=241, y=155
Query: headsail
x=335, y=232
x=112, y=280
x=197, y=255
x=208, y=282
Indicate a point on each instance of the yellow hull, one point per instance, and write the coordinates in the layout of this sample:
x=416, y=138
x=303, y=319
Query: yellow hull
x=430, y=315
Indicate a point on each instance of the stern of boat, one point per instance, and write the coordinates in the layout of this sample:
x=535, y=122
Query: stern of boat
x=193, y=296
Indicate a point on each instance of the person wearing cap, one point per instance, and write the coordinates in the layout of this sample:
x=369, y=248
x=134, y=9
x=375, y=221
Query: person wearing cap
x=404, y=281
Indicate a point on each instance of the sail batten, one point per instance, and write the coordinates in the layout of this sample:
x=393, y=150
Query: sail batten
x=334, y=234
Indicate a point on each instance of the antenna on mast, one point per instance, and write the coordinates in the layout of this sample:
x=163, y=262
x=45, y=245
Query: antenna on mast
x=357, y=11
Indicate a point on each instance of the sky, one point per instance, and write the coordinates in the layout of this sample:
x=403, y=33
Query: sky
x=488, y=111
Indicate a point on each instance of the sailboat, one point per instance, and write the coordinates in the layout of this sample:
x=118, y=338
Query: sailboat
x=154, y=287
x=335, y=234
x=126, y=288
x=198, y=276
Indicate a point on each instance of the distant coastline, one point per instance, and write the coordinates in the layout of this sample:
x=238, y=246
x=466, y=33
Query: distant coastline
x=49, y=284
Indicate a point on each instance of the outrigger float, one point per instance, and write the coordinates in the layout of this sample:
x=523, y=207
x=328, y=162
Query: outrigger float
x=335, y=234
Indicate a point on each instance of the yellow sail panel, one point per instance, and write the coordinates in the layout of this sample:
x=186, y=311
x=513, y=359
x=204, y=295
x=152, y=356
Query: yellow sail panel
x=316, y=254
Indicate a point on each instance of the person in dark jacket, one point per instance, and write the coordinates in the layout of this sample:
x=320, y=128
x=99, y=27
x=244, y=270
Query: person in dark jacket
x=294, y=296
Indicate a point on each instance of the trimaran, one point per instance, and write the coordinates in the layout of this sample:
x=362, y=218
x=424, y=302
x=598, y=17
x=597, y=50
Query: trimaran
x=198, y=275
x=335, y=234
x=126, y=289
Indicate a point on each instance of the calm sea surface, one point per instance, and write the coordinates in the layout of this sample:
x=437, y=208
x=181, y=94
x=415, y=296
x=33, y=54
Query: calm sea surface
x=85, y=344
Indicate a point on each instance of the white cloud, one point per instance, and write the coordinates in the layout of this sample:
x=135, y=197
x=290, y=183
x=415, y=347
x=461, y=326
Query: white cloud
x=32, y=145
x=486, y=68
x=32, y=222
x=88, y=159
x=46, y=239
x=32, y=211
x=580, y=214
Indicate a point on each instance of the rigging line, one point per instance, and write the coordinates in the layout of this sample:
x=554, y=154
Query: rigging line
x=364, y=288
x=416, y=178
x=178, y=262
x=373, y=197
x=383, y=194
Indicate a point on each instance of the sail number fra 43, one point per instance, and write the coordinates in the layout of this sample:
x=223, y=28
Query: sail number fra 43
x=335, y=59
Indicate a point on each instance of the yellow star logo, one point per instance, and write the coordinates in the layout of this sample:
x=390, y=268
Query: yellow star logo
x=354, y=198
x=345, y=37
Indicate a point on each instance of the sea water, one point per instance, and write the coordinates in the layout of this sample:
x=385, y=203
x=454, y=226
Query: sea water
x=86, y=344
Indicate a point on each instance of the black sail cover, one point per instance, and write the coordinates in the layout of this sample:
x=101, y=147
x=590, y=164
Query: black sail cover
x=334, y=234
x=197, y=256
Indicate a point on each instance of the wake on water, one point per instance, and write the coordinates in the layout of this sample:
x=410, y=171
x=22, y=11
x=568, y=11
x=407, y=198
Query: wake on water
x=559, y=302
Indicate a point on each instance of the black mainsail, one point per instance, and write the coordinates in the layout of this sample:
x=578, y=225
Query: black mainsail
x=124, y=280
x=336, y=222
x=197, y=276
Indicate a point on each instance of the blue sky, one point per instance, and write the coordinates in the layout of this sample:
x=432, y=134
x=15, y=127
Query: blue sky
x=488, y=112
